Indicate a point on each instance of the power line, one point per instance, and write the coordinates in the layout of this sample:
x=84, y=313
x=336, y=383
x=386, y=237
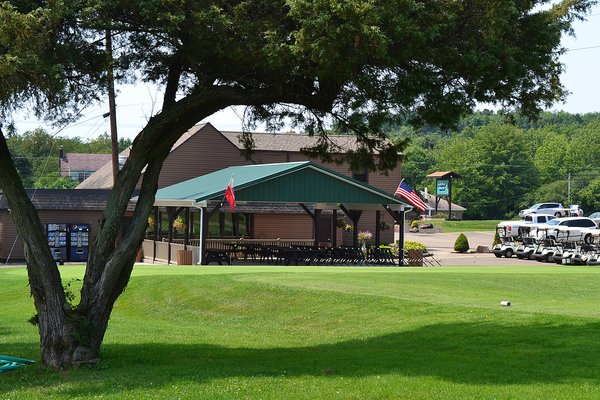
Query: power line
x=583, y=48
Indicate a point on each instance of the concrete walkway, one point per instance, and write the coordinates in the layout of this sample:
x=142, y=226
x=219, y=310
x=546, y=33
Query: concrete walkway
x=442, y=247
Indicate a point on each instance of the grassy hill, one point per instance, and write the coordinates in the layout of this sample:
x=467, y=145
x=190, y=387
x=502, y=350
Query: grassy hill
x=327, y=332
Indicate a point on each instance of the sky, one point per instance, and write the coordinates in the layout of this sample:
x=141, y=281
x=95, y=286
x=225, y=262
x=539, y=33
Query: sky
x=135, y=104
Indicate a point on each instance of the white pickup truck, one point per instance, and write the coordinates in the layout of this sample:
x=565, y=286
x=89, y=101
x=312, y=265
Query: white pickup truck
x=514, y=229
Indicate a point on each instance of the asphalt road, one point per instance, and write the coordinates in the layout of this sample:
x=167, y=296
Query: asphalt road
x=442, y=247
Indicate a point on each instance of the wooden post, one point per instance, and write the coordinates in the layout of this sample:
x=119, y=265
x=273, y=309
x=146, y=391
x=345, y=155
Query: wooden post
x=334, y=229
x=377, y=228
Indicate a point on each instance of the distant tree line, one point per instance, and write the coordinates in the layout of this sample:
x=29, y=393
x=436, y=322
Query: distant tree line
x=508, y=162
x=36, y=152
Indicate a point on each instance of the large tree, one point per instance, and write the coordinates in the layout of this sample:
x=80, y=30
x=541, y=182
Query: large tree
x=349, y=63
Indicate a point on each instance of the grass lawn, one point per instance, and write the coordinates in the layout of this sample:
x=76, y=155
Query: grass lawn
x=327, y=333
x=464, y=225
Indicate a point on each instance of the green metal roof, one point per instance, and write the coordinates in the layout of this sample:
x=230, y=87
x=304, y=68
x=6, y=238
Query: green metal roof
x=294, y=182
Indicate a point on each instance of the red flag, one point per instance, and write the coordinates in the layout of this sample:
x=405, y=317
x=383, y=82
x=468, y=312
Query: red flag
x=230, y=195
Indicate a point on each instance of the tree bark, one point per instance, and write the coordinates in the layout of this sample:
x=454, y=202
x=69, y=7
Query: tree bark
x=53, y=311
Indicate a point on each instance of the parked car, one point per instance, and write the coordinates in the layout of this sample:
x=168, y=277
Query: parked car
x=555, y=209
x=596, y=217
x=569, y=229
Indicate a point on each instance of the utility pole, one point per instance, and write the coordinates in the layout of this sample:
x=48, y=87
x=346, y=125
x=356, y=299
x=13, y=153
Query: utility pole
x=112, y=107
x=569, y=188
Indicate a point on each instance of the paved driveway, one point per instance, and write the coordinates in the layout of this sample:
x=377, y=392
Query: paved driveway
x=442, y=247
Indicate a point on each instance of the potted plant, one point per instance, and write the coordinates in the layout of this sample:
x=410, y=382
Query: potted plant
x=363, y=238
x=414, y=252
x=179, y=223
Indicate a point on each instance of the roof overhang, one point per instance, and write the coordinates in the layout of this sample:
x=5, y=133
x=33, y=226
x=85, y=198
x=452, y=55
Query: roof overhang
x=284, y=183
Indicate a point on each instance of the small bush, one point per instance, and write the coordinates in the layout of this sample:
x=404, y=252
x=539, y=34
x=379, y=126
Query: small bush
x=462, y=243
x=496, y=239
x=414, y=224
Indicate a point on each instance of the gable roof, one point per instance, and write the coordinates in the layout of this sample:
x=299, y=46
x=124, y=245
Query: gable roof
x=294, y=142
x=287, y=142
x=294, y=182
x=103, y=177
x=85, y=162
x=444, y=175
x=64, y=199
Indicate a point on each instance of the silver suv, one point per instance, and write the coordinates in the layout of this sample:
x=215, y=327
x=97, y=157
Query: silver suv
x=555, y=209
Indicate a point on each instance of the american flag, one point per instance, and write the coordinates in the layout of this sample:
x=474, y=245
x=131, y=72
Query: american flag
x=407, y=193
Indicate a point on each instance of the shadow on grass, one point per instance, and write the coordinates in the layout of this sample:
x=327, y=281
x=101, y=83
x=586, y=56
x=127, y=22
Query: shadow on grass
x=484, y=353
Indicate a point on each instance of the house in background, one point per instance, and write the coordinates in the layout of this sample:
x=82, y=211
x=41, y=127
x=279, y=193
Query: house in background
x=79, y=166
x=54, y=206
x=442, y=207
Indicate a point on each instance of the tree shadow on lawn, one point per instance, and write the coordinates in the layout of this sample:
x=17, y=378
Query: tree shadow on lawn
x=467, y=353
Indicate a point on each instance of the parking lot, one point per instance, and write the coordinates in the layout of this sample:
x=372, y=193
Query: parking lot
x=442, y=247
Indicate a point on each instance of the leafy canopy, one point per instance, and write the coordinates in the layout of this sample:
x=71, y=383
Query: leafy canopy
x=352, y=65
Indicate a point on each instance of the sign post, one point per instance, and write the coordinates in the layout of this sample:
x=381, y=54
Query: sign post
x=443, y=187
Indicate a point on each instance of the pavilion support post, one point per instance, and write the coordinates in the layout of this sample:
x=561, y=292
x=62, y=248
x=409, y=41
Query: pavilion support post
x=202, y=242
x=315, y=217
x=399, y=217
x=205, y=216
x=377, y=228
x=156, y=232
x=449, y=199
x=354, y=216
x=334, y=228
x=186, y=234
x=172, y=213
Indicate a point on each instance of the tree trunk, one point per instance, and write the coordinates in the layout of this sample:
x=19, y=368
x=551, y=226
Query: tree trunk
x=55, y=329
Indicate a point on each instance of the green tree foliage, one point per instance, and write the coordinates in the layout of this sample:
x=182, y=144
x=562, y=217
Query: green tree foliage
x=589, y=197
x=418, y=162
x=53, y=180
x=23, y=167
x=563, y=148
x=551, y=155
x=496, y=166
x=35, y=154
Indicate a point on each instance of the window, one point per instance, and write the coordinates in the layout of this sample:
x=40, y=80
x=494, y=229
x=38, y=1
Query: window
x=230, y=225
x=361, y=175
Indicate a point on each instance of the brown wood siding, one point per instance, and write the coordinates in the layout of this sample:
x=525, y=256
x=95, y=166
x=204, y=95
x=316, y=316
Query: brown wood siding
x=269, y=157
x=284, y=226
x=3, y=217
x=9, y=233
x=299, y=226
x=205, y=152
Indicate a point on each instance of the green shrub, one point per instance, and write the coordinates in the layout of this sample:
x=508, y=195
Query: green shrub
x=462, y=244
x=496, y=239
x=414, y=224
